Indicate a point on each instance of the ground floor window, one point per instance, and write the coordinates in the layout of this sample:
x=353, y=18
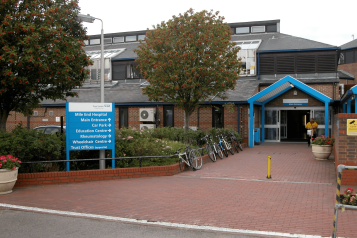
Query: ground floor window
x=123, y=117
x=218, y=116
x=169, y=116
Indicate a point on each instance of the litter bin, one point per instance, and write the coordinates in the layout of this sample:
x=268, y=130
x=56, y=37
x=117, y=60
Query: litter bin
x=256, y=136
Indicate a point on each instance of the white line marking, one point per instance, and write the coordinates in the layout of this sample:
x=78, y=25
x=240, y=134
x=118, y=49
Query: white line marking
x=166, y=224
x=254, y=180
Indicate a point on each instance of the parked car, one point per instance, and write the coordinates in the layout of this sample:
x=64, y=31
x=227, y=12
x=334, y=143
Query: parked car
x=51, y=129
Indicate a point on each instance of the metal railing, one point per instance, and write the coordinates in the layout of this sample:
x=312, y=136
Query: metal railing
x=338, y=204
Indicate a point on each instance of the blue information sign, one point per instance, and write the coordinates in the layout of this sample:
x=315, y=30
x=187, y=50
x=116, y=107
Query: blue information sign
x=90, y=126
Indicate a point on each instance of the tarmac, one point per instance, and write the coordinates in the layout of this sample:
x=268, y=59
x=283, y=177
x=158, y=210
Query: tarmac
x=231, y=195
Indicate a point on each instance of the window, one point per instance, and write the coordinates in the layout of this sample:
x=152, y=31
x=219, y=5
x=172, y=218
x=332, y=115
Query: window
x=118, y=39
x=218, y=117
x=107, y=41
x=271, y=28
x=258, y=29
x=247, y=53
x=94, y=41
x=86, y=42
x=356, y=56
x=125, y=70
x=123, y=117
x=130, y=38
x=342, y=58
x=242, y=30
x=349, y=57
x=132, y=71
x=141, y=37
x=169, y=116
x=118, y=72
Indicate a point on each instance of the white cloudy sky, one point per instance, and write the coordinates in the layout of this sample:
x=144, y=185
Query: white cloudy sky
x=331, y=22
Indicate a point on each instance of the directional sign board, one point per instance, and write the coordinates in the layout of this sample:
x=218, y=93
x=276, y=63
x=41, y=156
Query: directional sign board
x=90, y=126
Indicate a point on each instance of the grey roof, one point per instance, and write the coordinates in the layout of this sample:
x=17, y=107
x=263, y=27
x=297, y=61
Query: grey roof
x=348, y=45
x=345, y=75
x=276, y=41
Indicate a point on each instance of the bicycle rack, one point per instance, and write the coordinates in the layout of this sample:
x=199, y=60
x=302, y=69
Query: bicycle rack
x=338, y=204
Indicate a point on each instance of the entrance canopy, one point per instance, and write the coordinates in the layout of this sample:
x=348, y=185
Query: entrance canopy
x=346, y=100
x=277, y=89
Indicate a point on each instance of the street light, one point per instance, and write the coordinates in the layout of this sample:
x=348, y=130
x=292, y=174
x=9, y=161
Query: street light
x=90, y=19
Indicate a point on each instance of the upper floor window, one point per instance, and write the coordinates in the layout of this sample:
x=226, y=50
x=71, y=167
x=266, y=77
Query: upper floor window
x=130, y=38
x=242, y=30
x=94, y=41
x=247, y=54
x=256, y=29
x=348, y=57
x=107, y=41
x=125, y=70
x=119, y=39
x=141, y=37
x=271, y=28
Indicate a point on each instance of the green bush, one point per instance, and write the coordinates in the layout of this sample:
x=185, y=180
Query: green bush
x=31, y=145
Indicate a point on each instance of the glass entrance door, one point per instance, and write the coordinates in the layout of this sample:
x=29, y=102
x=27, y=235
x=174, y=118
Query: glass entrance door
x=283, y=124
x=272, y=125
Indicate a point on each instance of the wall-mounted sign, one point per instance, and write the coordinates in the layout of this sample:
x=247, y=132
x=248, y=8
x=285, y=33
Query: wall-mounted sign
x=295, y=102
x=90, y=126
x=351, y=127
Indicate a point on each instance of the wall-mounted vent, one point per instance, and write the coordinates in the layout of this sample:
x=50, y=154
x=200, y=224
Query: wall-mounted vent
x=50, y=113
x=35, y=113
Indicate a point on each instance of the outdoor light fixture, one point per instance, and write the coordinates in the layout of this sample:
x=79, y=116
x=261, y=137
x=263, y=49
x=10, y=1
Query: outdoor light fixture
x=291, y=85
x=90, y=19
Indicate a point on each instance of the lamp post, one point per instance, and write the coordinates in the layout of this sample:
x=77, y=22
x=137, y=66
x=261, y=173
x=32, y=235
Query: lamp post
x=90, y=19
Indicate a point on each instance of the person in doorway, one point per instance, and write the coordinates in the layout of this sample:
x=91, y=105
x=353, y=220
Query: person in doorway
x=312, y=125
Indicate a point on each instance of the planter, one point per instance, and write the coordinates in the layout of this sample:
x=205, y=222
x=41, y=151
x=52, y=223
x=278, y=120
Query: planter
x=321, y=152
x=7, y=180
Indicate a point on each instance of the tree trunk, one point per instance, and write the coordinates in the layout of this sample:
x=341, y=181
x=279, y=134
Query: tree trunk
x=187, y=121
x=3, y=118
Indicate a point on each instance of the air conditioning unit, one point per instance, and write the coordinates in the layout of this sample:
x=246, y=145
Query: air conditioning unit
x=194, y=128
x=147, y=114
x=147, y=126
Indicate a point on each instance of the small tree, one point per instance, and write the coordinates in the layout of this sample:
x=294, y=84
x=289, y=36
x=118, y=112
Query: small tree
x=41, y=55
x=188, y=60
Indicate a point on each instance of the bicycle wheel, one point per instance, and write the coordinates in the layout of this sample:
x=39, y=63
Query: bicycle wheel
x=195, y=159
x=231, y=149
x=210, y=153
x=218, y=151
x=181, y=165
x=240, y=146
x=234, y=144
x=225, y=152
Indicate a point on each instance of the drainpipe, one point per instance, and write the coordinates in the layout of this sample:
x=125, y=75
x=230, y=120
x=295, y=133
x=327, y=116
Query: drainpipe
x=198, y=117
x=258, y=65
x=239, y=119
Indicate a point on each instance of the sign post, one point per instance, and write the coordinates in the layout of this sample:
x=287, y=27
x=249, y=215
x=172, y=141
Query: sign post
x=90, y=126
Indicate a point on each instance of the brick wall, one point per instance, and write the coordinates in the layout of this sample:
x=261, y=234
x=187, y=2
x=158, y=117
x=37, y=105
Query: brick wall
x=349, y=68
x=345, y=148
x=48, y=178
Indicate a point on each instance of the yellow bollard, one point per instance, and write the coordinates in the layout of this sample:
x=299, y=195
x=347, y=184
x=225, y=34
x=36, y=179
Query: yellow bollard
x=269, y=167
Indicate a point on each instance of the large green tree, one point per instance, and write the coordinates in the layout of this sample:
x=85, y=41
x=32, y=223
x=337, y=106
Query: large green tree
x=41, y=53
x=188, y=60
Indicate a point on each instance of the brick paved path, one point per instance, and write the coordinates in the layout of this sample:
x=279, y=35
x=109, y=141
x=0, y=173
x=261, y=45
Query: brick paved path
x=231, y=193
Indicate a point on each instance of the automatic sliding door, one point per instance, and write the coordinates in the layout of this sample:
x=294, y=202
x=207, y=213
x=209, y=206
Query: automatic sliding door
x=272, y=125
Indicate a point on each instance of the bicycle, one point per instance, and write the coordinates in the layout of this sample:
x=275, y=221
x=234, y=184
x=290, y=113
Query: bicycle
x=227, y=144
x=192, y=159
x=217, y=149
x=233, y=142
x=222, y=145
x=237, y=141
x=209, y=149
